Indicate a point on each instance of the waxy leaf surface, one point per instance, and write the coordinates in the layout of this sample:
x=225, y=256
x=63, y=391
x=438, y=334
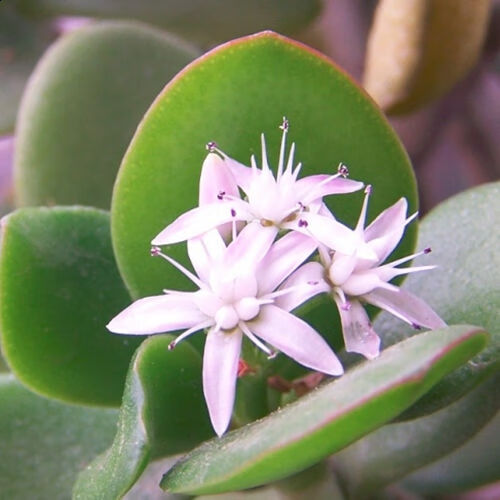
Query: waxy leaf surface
x=81, y=107
x=163, y=413
x=59, y=287
x=327, y=419
x=206, y=21
x=231, y=95
x=464, y=287
x=44, y=443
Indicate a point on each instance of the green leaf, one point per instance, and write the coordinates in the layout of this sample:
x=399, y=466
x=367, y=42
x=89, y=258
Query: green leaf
x=22, y=42
x=232, y=95
x=203, y=20
x=45, y=443
x=393, y=451
x=82, y=106
x=163, y=413
x=464, y=287
x=59, y=287
x=327, y=419
x=470, y=466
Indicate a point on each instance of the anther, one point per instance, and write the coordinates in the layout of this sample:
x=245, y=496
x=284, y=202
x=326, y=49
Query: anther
x=155, y=251
x=211, y=146
x=272, y=355
x=233, y=212
x=172, y=345
x=416, y=326
x=427, y=250
x=346, y=306
x=284, y=124
x=303, y=223
x=220, y=195
x=343, y=170
x=312, y=283
x=368, y=189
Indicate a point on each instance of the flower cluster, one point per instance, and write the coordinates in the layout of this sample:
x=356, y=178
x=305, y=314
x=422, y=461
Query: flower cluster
x=260, y=246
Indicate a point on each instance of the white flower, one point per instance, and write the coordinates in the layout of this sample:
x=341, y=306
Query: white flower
x=281, y=202
x=236, y=297
x=360, y=277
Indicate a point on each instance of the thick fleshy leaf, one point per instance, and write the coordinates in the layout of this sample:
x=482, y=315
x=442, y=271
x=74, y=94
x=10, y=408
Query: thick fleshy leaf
x=206, y=20
x=158, y=179
x=163, y=413
x=81, y=107
x=22, y=42
x=419, y=49
x=45, y=443
x=390, y=453
x=59, y=287
x=463, y=288
x=327, y=419
x=472, y=465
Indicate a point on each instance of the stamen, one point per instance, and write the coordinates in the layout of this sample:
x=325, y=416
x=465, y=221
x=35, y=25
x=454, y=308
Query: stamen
x=289, y=165
x=156, y=251
x=427, y=250
x=407, y=258
x=343, y=170
x=211, y=146
x=265, y=164
x=303, y=223
x=410, y=218
x=233, y=212
x=269, y=298
x=284, y=127
x=362, y=216
x=416, y=326
x=190, y=331
x=270, y=354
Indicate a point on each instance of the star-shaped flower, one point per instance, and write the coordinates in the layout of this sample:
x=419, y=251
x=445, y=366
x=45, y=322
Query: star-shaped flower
x=360, y=277
x=281, y=202
x=236, y=297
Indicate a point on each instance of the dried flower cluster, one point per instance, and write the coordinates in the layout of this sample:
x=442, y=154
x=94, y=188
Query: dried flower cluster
x=260, y=246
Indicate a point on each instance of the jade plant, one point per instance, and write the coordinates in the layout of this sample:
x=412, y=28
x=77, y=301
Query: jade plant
x=204, y=319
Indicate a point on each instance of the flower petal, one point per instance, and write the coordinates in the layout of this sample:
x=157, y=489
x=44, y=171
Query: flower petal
x=157, y=314
x=199, y=220
x=406, y=306
x=313, y=187
x=296, y=339
x=241, y=173
x=220, y=368
x=359, y=335
x=216, y=178
x=325, y=230
x=306, y=282
x=283, y=258
x=249, y=248
x=205, y=251
x=384, y=233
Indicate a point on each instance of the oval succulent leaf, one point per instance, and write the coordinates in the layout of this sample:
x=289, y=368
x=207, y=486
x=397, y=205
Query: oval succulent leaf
x=327, y=419
x=81, y=107
x=46, y=443
x=158, y=178
x=163, y=413
x=390, y=453
x=59, y=286
x=463, y=288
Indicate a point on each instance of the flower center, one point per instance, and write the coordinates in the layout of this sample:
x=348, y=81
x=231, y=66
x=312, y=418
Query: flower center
x=228, y=316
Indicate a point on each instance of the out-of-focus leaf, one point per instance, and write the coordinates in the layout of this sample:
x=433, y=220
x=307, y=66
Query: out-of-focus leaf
x=59, y=287
x=393, y=451
x=22, y=42
x=232, y=95
x=163, y=413
x=418, y=49
x=81, y=107
x=474, y=464
x=44, y=443
x=205, y=21
x=463, y=235
x=327, y=419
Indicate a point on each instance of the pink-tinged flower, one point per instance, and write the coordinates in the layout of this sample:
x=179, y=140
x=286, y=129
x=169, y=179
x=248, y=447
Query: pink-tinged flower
x=236, y=297
x=360, y=277
x=281, y=202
